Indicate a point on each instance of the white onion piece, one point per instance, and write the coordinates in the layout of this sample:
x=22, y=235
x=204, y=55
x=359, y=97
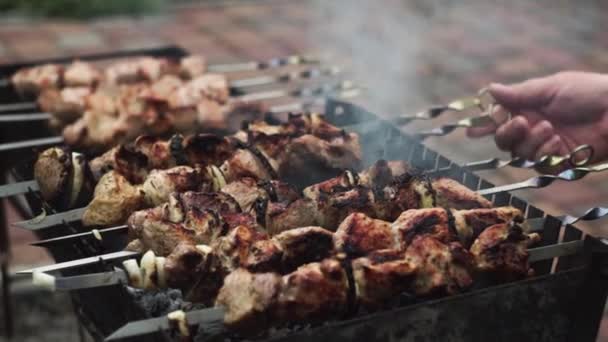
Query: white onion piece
x=205, y=249
x=174, y=210
x=43, y=280
x=97, y=234
x=148, y=269
x=77, y=177
x=160, y=270
x=133, y=272
x=179, y=318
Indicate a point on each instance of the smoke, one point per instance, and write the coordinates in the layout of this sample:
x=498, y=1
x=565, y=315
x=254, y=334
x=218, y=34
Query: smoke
x=382, y=41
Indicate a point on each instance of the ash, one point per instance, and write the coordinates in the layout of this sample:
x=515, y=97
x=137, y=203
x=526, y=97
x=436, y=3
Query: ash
x=159, y=303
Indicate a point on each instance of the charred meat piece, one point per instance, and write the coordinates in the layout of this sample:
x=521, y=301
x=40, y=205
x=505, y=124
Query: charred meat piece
x=135, y=70
x=381, y=276
x=304, y=245
x=34, y=79
x=501, y=251
x=185, y=263
x=313, y=292
x=81, y=74
x=249, y=299
x=233, y=248
x=441, y=268
x=161, y=183
x=66, y=104
x=280, y=217
x=383, y=173
x=403, y=193
x=470, y=223
x=331, y=210
x=451, y=194
x=113, y=201
x=52, y=171
x=343, y=182
x=191, y=67
x=434, y=222
x=359, y=235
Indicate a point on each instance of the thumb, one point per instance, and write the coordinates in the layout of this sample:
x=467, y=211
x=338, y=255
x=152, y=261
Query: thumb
x=531, y=94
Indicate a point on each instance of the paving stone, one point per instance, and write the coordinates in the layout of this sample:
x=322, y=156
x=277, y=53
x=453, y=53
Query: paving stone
x=81, y=40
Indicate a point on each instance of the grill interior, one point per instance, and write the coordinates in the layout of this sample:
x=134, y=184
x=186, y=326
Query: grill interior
x=564, y=301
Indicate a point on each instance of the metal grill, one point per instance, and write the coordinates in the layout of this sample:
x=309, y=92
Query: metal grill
x=563, y=302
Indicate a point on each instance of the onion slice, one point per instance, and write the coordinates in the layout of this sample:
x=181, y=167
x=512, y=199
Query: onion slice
x=133, y=272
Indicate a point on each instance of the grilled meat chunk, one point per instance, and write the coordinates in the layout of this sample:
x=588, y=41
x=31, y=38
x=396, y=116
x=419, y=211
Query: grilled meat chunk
x=451, y=194
x=52, y=171
x=470, y=223
x=313, y=292
x=32, y=80
x=304, y=245
x=381, y=276
x=161, y=183
x=185, y=263
x=66, y=104
x=441, y=268
x=113, y=201
x=432, y=222
x=249, y=300
x=233, y=249
x=359, y=235
x=280, y=217
x=81, y=74
x=383, y=173
x=502, y=251
x=195, y=218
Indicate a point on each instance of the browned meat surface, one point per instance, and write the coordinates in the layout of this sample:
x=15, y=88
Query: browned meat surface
x=381, y=276
x=413, y=223
x=441, y=268
x=359, y=235
x=113, y=201
x=502, y=251
x=161, y=183
x=451, y=194
x=32, y=80
x=52, y=171
x=470, y=223
x=249, y=299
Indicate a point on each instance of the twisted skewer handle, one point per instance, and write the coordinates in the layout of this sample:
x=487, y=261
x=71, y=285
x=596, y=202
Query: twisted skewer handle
x=546, y=180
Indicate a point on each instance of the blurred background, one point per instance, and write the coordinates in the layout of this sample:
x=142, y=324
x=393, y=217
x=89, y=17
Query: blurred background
x=409, y=54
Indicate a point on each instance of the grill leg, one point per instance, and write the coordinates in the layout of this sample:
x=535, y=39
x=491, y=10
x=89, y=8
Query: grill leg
x=4, y=260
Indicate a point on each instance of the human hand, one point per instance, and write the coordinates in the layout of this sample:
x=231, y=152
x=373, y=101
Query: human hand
x=551, y=115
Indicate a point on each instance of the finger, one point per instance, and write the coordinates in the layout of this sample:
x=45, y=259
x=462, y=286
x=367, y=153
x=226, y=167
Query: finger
x=553, y=146
x=531, y=94
x=511, y=133
x=499, y=115
x=478, y=132
x=539, y=134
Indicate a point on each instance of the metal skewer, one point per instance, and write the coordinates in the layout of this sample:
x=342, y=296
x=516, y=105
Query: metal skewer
x=475, y=121
x=435, y=111
x=544, y=165
x=545, y=180
x=343, y=89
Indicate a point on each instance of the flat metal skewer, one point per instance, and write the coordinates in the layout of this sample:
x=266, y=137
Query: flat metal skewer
x=543, y=164
x=545, y=180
